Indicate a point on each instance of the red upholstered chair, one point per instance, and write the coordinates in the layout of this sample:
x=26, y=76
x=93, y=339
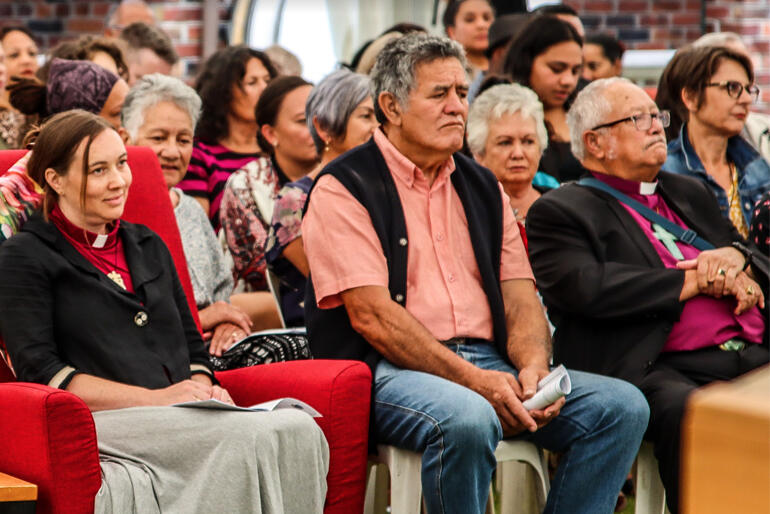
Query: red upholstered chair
x=47, y=435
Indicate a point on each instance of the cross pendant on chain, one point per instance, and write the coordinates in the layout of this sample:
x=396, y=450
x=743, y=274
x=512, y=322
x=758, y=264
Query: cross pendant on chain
x=115, y=277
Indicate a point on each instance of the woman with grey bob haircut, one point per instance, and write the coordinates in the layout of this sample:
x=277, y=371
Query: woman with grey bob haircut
x=395, y=70
x=153, y=89
x=506, y=133
x=332, y=102
x=340, y=116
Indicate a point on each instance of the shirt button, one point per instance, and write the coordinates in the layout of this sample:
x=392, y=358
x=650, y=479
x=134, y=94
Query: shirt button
x=399, y=298
x=141, y=318
x=402, y=241
x=747, y=205
x=451, y=278
x=439, y=237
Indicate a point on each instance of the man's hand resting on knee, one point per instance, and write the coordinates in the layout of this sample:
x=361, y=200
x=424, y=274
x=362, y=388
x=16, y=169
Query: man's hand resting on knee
x=506, y=395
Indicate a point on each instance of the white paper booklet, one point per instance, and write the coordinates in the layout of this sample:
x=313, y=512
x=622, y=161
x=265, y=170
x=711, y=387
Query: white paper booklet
x=550, y=389
x=280, y=403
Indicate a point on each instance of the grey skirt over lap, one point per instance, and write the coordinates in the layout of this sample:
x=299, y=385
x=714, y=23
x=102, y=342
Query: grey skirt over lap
x=182, y=460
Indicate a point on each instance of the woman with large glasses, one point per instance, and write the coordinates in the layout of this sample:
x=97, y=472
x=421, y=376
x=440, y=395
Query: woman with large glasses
x=709, y=91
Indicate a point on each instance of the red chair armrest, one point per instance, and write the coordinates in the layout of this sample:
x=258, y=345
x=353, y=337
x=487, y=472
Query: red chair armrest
x=341, y=391
x=48, y=438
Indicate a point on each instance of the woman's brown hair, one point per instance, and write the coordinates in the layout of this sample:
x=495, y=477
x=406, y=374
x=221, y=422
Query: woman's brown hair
x=83, y=49
x=691, y=69
x=214, y=85
x=55, y=144
x=27, y=95
x=270, y=101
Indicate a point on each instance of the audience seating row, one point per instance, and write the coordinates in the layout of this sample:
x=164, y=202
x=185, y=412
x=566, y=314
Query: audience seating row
x=53, y=440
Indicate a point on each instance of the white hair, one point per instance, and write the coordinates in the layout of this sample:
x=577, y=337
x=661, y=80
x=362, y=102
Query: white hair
x=286, y=62
x=496, y=102
x=718, y=39
x=152, y=89
x=590, y=108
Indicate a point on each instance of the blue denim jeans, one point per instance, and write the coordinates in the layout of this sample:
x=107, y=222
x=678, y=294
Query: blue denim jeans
x=599, y=428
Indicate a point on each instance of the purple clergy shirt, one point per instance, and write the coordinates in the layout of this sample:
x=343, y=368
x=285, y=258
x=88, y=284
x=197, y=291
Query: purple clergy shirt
x=705, y=321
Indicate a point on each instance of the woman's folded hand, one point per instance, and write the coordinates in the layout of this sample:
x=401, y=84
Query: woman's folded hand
x=185, y=391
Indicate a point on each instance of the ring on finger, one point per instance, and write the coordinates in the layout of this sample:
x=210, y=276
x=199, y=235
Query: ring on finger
x=721, y=272
x=750, y=291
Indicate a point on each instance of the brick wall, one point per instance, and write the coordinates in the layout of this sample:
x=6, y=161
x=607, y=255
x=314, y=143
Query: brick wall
x=55, y=20
x=659, y=24
x=641, y=24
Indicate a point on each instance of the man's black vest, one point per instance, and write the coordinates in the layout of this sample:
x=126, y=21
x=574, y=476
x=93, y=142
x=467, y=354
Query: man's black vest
x=364, y=173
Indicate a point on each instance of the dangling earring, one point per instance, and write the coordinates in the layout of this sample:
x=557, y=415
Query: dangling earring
x=326, y=146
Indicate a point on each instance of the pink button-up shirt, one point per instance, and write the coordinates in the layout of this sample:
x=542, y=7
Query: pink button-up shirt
x=444, y=289
x=705, y=321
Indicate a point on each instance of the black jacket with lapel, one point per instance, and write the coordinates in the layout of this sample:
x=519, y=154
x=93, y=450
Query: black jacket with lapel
x=608, y=293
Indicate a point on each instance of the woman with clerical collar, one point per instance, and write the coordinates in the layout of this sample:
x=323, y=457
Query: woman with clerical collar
x=92, y=305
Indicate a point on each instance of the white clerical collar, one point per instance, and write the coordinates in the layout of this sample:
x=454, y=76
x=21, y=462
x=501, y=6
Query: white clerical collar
x=647, y=188
x=100, y=241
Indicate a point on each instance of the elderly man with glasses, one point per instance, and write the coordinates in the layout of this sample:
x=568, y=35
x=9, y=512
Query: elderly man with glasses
x=643, y=277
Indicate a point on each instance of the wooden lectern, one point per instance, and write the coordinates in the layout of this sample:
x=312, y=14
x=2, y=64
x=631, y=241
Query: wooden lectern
x=726, y=447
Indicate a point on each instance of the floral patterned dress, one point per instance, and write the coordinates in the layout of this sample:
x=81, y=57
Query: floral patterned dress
x=20, y=196
x=245, y=214
x=286, y=226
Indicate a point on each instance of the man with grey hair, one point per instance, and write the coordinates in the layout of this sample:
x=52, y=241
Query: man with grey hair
x=642, y=276
x=418, y=269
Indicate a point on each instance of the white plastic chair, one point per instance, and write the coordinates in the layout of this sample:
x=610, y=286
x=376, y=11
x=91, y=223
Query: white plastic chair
x=405, y=481
x=406, y=484
x=519, y=464
x=650, y=495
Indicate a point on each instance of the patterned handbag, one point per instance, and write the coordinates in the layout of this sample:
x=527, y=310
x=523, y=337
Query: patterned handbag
x=263, y=348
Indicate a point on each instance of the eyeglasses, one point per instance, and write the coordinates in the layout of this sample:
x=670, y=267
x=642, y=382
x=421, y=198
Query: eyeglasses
x=735, y=89
x=642, y=121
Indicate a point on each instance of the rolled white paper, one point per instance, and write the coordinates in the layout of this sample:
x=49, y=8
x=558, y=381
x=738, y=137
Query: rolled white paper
x=550, y=389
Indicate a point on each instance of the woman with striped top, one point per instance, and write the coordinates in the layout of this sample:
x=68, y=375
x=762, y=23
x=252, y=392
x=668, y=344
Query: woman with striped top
x=229, y=85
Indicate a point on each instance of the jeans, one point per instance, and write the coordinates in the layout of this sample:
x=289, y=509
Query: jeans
x=599, y=428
